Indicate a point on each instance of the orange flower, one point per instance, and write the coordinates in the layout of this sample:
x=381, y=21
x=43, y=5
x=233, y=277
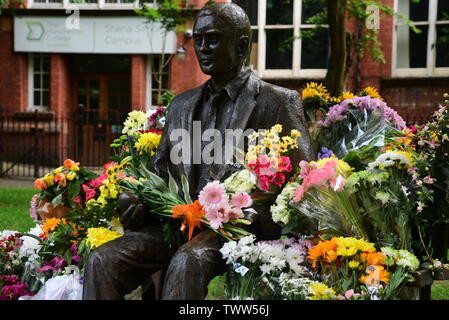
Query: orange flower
x=192, y=214
x=372, y=258
x=327, y=250
x=69, y=163
x=376, y=275
x=40, y=184
x=51, y=224
x=60, y=177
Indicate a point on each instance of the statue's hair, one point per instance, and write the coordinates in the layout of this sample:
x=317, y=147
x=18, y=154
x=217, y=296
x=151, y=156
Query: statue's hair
x=233, y=16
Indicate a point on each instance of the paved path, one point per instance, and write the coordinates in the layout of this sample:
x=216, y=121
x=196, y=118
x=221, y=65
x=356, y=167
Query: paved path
x=23, y=182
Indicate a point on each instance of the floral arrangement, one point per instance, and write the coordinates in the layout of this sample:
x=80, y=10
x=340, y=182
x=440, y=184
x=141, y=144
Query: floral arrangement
x=140, y=139
x=354, y=267
x=214, y=208
x=268, y=159
x=63, y=185
x=266, y=269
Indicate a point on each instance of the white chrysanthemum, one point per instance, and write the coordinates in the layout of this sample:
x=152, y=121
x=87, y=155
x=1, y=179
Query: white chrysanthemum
x=136, y=121
x=30, y=245
x=407, y=260
x=280, y=211
x=241, y=181
x=390, y=158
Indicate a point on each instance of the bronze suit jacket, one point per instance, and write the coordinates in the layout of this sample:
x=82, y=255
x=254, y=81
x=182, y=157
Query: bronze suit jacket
x=259, y=105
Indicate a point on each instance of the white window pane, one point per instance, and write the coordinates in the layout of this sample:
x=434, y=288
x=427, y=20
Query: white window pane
x=411, y=51
x=279, y=12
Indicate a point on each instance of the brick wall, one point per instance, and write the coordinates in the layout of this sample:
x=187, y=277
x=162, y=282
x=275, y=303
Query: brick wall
x=138, y=82
x=13, y=70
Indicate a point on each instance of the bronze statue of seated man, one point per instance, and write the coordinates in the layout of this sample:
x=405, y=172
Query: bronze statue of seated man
x=233, y=98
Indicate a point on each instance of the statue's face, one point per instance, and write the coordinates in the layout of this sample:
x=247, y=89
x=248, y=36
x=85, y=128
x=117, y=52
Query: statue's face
x=215, y=46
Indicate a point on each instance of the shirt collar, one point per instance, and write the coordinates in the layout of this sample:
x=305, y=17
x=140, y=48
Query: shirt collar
x=233, y=87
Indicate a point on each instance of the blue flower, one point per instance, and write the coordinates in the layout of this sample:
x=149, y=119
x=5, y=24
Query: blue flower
x=325, y=153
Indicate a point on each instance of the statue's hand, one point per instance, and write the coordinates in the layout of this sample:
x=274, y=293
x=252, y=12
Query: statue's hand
x=131, y=211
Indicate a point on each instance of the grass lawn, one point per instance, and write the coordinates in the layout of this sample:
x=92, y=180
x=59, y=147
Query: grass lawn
x=14, y=208
x=440, y=290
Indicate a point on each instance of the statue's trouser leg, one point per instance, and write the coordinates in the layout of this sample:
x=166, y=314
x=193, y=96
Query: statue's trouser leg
x=193, y=266
x=120, y=266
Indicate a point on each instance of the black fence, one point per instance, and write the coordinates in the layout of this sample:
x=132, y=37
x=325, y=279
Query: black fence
x=33, y=143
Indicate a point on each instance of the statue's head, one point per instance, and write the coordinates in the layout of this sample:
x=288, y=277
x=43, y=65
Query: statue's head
x=222, y=35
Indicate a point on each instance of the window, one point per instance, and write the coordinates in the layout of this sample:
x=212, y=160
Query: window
x=39, y=81
x=157, y=81
x=277, y=48
x=425, y=53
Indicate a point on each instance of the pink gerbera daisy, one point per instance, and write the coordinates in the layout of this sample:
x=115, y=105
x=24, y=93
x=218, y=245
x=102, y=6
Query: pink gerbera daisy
x=218, y=216
x=213, y=195
x=241, y=200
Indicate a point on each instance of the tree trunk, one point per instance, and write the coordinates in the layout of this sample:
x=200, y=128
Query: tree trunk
x=337, y=71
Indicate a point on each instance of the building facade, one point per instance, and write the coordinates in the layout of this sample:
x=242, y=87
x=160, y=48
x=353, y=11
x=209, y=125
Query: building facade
x=85, y=74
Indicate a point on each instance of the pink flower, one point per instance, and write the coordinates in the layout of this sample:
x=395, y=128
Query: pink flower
x=278, y=179
x=90, y=193
x=318, y=177
x=78, y=199
x=218, y=216
x=305, y=169
x=264, y=183
x=285, y=164
x=241, y=200
x=429, y=180
x=97, y=182
x=349, y=294
x=338, y=184
x=213, y=196
x=235, y=213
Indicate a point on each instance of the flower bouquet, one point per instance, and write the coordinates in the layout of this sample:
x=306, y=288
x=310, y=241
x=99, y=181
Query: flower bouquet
x=350, y=268
x=353, y=128
x=140, y=138
x=61, y=190
x=214, y=208
x=266, y=269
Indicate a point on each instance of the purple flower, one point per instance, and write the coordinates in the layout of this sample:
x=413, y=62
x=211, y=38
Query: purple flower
x=325, y=153
x=129, y=138
x=76, y=259
x=13, y=292
x=33, y=208
x=55, y=264
x=74, y=249
x=339, y=111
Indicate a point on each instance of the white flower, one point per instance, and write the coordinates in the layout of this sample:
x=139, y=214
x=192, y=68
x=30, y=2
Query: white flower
x=243, y=181
x=407, y=260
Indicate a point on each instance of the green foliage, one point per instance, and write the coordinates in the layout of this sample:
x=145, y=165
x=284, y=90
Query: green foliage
x=168, y=12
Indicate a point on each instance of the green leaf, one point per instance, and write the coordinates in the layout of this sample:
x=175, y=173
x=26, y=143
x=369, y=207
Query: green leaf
x=74, y=189
x=172, y=185
x=185, y=189
x=57, y=200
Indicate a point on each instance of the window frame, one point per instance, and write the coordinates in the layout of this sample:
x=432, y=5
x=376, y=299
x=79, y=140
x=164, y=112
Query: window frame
x=149, y=80
x=31, y=89
x=296, y=72
x=431, y=70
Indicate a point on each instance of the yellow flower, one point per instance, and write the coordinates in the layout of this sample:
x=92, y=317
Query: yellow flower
x=276, y=128
x=98, y=236
x=372, y=92
x=75, y=168
x=357, y=244
x=354, y=264
x=59, y=170
x=320, y=291
x=148, y=142
x=313, y=90
x=113, y=192
x=346, y=95
x=49, y=179
x=71, y=175
x=102, y=201
x=295, y=133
